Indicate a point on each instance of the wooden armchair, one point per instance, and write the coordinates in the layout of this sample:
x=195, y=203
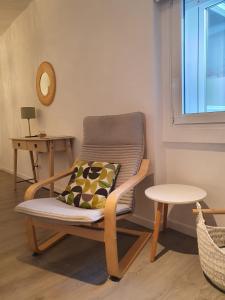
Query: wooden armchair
x=107, y=138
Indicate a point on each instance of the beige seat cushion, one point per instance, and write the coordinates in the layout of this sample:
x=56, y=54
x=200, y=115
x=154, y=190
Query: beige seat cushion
x=51, y=208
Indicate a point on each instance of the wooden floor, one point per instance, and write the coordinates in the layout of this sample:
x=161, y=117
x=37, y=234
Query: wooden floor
x=75, y=268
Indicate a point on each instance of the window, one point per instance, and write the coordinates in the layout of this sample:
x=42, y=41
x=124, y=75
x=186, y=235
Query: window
x=203, y=70
x=193, y=122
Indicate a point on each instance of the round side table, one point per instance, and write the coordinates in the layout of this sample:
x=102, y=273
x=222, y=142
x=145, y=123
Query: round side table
x=164, y=195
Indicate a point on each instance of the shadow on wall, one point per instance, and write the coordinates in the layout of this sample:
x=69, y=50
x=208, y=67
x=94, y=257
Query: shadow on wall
x=177, y=213
x=144, y=207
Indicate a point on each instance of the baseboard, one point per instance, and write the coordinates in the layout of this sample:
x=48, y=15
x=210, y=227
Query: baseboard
x=21, y=175
x=141, y=221
x=6, y=170
x=181, y=227
x=173, y=224
x=57, y=188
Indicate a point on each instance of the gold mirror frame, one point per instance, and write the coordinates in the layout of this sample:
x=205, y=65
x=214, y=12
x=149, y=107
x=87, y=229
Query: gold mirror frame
x=46, y=67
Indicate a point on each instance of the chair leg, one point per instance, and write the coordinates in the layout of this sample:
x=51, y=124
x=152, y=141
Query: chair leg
x=32, y=238
x=31, y=235
x=111, y=252
x=116, y=268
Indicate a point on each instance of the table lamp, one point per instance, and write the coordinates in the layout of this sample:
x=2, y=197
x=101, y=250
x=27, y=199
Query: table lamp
x=28, y=113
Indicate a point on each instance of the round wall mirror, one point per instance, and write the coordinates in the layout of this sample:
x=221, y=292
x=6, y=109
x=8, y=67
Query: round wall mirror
x=46, y=83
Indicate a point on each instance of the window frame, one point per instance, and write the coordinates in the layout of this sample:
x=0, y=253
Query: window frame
x=177, y=83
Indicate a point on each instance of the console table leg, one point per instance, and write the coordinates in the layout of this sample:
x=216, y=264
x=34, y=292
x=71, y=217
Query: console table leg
x=51, y=166
x=155, y=234
x=15, y=168
x=69, y=152
x=33, y=166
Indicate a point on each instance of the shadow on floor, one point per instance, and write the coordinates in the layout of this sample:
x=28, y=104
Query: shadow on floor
x=78, y=258
x=172, y=240
x=84, y=260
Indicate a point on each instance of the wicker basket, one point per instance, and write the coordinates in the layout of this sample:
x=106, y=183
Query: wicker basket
x=211, y=243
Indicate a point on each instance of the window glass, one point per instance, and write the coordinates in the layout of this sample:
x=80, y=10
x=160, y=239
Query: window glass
x=203, y=56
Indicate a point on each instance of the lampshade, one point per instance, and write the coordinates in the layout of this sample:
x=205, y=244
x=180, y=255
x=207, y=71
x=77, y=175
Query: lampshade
x=27, y=112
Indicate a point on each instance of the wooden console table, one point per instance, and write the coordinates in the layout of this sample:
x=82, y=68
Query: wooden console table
x=43, y=145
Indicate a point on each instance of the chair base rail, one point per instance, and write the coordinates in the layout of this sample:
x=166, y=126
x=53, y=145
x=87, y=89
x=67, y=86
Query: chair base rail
x=91, y=232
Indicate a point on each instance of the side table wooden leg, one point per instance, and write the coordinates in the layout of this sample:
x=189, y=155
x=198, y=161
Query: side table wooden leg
x=51, y=166
x=32, y=165
x=155, y=234
x=15, y=168
x=165, y=211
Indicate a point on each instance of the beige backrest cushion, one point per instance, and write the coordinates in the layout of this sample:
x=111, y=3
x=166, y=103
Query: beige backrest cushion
x=126, y=129
x=116, y=139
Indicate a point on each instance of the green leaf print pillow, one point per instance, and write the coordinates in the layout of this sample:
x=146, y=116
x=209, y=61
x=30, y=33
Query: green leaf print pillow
x=90, y=184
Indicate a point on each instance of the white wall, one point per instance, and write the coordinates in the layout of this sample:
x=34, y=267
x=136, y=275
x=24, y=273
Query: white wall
x=106, y=58
x=191, y=154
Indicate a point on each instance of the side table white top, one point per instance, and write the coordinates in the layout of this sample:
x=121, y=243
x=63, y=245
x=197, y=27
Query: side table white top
x=175, y=193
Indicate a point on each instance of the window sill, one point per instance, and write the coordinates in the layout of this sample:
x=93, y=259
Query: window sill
x=199, y=118
x=191, y=129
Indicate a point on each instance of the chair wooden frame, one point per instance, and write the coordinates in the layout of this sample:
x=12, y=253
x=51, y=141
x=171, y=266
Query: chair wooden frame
x=105, y=230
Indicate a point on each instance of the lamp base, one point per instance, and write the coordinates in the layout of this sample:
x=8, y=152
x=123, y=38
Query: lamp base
x=31, y=136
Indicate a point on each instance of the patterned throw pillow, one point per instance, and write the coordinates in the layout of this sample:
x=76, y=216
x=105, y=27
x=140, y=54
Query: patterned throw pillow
x=90, y=184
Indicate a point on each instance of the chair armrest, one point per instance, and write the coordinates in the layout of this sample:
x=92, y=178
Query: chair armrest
x=125, y=187
x=31, y=191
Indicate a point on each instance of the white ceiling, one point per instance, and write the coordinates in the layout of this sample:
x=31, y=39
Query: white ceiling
x=9, y=11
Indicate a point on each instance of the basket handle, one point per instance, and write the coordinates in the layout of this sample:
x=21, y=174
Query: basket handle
x=214, y=211
x=199, y=212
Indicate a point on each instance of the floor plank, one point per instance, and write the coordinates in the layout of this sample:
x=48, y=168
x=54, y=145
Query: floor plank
x=75, y=268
